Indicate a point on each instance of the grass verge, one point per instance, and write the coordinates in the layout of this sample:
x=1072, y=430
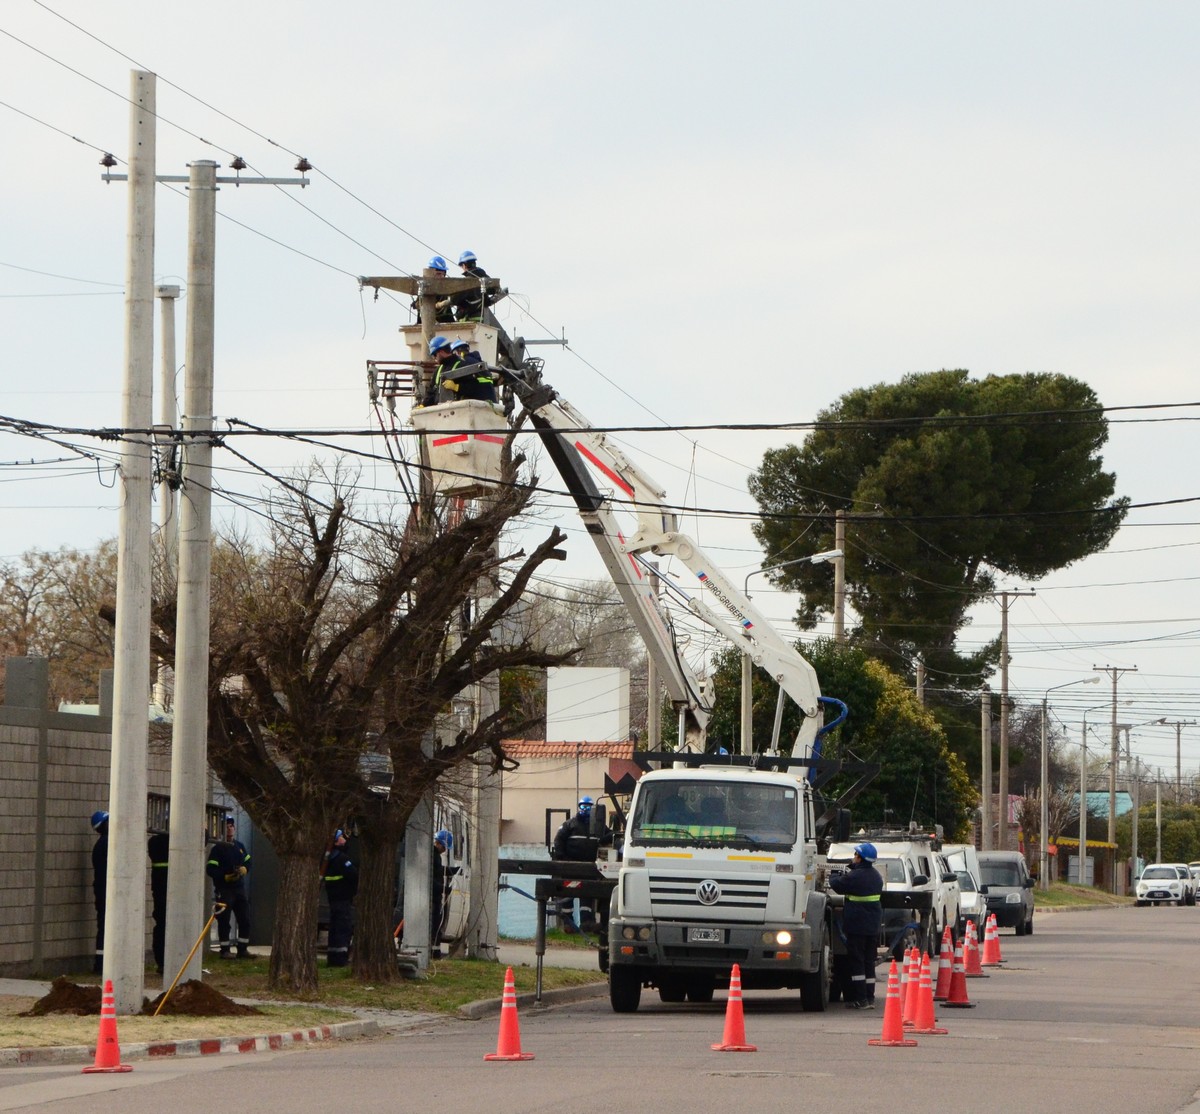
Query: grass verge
x=1060, y=895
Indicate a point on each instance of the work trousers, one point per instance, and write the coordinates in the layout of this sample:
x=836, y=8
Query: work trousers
x=237, y=906
x=341, y=930
x=860, y=957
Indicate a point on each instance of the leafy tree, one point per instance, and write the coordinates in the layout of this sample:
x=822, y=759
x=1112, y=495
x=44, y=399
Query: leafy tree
x=920, y=778
x=1180, y=833
x=946, y=481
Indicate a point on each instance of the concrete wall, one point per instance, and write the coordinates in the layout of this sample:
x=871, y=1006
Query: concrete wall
x=54, y=771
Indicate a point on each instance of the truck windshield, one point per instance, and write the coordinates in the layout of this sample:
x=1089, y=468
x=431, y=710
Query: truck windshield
x=709, y=813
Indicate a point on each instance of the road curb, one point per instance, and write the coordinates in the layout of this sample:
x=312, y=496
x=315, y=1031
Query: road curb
x=489, y=1007
x=212, y=1046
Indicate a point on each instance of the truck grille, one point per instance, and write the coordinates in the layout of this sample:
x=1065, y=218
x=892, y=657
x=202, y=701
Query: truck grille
x=738, y=893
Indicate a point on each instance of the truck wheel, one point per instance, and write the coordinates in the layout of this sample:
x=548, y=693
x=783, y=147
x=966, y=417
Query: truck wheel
x=624, y=989
x=672, y=990
x=814, y=987
x=700, y=991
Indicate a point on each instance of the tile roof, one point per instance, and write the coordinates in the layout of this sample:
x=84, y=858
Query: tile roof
x=538, y=748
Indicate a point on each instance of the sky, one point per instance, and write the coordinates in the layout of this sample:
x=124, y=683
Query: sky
x=733, y=213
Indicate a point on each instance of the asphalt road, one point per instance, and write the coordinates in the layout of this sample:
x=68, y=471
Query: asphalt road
x=1096, y=1012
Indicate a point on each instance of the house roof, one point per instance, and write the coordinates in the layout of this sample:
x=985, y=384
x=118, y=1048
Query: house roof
x=538, y=748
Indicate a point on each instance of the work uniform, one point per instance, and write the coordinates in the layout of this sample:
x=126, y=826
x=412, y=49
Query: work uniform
x=341, y=884
x=437, y=898
x=158, y=848
x=468, y=306
x=228, y=862
x=481, y=385
x=863, y=914
x=574, y=842
x=99, y=894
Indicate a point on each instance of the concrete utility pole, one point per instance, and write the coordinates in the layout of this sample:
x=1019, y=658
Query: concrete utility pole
x=1114, y=672
x=1002, y=806
x=1179, y=725
x=985, y=767
x=1135, y=768
x=839, y=577
x=189, y=744
x=921, y=682
x=1044, y=833
x=167, y=527
x=125, y=913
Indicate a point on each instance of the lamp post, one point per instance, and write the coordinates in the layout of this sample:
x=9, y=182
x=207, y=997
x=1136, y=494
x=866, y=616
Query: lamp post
x=747, y=742
x=1083, y=801
x=1044, y=858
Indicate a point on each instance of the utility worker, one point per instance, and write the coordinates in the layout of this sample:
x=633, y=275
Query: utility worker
x=443, y=307
x=440, y=388
x=228, y=864
x=863, y=914
x=99, y=883
x=158, y=847
x=469, y=306
x=341, y=884
x=439, y=878
x=481, y=385
x=577, y=841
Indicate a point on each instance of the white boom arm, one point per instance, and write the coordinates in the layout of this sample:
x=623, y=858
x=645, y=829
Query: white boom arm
x=598, y=474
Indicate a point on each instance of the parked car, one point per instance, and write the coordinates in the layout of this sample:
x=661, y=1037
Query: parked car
x=1009, y=889
x=963, y=859
x=1160, y=884
x=1189, y=881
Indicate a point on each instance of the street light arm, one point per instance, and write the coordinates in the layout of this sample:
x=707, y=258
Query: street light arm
x=812, y=559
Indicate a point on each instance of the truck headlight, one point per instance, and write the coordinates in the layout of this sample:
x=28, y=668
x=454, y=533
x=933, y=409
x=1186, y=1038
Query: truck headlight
x=635, y=932
x=782, y=937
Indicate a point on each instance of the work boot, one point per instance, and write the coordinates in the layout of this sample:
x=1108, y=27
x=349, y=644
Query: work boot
x=225, y=953
x=243, y=953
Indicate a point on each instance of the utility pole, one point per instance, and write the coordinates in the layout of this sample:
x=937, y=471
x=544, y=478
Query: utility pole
x=1136, y=771
x=1083, y=806
x=125, y=912
x=1002, y=835
x=189, y=741
x=189, y=744
x=839, y=577
x=921, y=681
x=985, y=766
x=168, y=535
x=1179, y=725
x=1114, y=672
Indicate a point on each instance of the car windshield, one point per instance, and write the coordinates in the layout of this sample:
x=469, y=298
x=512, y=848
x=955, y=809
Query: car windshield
x=1159, y=872
x=999, y=874
x=711, y=813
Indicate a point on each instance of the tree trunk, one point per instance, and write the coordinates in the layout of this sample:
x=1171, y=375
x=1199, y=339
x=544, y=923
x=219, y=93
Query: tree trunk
x=294, y=947
x=374, y=945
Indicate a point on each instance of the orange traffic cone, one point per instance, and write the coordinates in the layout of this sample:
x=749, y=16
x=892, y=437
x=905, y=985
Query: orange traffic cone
x=893, y=1023
x=925, y=1021
x=958, y=983
x=910, y=987
x=508, y=1046
x=945, y=969
x=734, y=1039
x=991, y=943
x=971, y=955
x=108, y=1051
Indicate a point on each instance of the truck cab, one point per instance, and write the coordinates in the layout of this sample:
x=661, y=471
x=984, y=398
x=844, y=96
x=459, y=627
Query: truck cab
x=719, y=868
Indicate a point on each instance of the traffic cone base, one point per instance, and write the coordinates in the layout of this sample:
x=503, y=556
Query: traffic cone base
x=893, y=1023
x=508, y=1045
x=734, y=1038
x=108, y=1050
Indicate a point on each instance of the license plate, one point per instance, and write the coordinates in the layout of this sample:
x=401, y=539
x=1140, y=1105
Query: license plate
x=704, y=936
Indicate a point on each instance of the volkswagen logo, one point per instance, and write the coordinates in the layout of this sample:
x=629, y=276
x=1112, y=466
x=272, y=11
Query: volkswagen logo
x=709, y=892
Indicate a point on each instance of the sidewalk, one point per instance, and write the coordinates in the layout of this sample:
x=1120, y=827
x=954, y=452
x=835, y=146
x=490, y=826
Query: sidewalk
x=368, y=1021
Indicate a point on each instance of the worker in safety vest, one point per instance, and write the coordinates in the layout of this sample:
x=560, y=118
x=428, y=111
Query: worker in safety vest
x=481, y=385
x=341, y=884
x=469, y=306
x=158, y=847
x=443, y=308
x=440, y=388
x=863, y=913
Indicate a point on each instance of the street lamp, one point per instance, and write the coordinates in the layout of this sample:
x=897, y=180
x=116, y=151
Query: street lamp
x=1044, y=859
x=747, y=743
x=1083, y=791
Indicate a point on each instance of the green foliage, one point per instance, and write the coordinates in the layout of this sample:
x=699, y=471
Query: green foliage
x=921, y=777
x=1180, y=833
x=1019, y=497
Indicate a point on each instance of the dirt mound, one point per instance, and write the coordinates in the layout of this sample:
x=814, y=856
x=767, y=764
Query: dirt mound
x=67, y=997
x=195, y=999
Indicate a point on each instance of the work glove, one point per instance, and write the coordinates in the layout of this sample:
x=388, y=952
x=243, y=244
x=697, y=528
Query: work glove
x=232, y=877
x=442, y=304
x=450, y=385
x=241, y=872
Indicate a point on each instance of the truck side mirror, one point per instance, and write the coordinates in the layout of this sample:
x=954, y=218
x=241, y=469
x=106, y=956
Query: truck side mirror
x=841, y=826
x=597, y=821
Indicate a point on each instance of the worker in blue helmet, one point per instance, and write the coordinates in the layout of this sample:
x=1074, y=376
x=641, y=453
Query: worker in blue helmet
x=443, y=309
x=439, y=388
x=474, y=379
x=341, y=884
x=468, y=306
x=440, y=874
x=99, y=882
x=579, y=840
x=862, y=916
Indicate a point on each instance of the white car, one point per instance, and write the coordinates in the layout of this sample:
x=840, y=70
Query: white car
x=1161, y=883
x=1185, y=872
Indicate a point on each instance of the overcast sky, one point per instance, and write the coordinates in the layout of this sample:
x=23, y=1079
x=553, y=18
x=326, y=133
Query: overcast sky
x=735, y=213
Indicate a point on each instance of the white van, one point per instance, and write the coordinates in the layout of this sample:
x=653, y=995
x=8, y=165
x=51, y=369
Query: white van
x=964, y=861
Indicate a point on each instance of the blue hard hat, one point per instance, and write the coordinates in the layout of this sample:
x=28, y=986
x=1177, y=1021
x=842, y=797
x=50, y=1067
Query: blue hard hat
x=867, y=852
x=460, y=343
x=338, y=835
x=437, y=344
x=467, y=256
x=98, y=818
x=445, y=839
x=437, y=263
x=585, y=804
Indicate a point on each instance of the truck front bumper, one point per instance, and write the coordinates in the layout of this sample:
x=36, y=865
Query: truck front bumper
x=696, y=946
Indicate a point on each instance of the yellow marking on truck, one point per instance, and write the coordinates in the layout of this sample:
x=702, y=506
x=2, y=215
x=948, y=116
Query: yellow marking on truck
x=668, y=854
x=750, y=859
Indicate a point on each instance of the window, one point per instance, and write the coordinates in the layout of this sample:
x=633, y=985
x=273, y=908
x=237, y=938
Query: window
x=680, y=811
